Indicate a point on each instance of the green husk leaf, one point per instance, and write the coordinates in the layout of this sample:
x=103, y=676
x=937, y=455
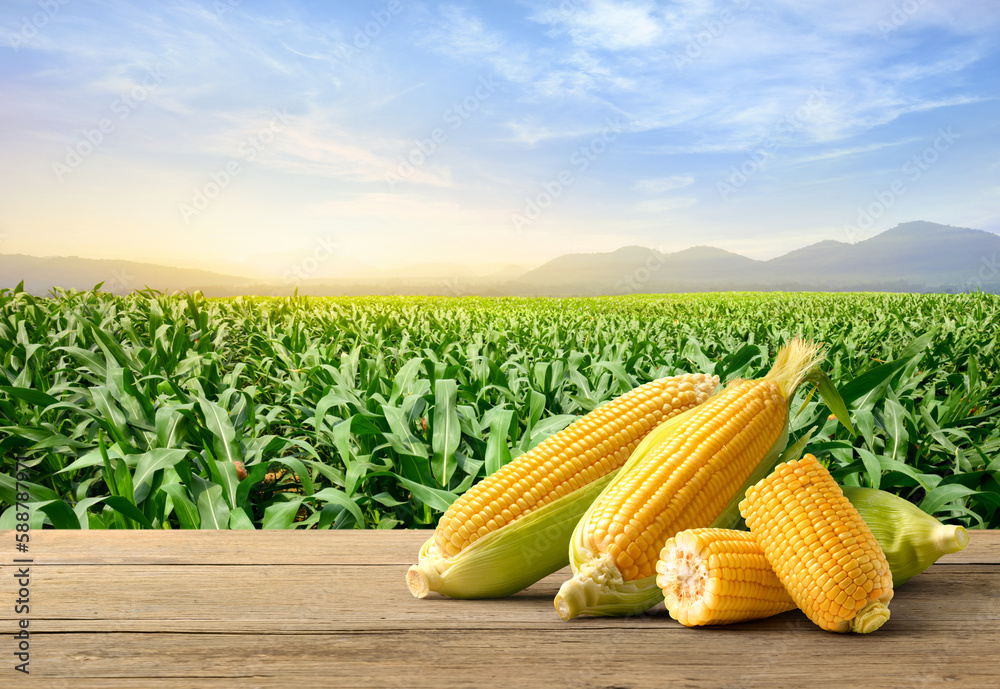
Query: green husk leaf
x=509, y=559
x=911, y=539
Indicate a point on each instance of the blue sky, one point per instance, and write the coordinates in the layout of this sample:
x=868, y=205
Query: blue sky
x=489, y=132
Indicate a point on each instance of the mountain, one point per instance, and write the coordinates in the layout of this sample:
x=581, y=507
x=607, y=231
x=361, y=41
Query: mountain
x=911, y=257
x=121, y=277
x=447, y=271
x=588, y=269
x=638, y=269
x=916, y=250
x=822, y=256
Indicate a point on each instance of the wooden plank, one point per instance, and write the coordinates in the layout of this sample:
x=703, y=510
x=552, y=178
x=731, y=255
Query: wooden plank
x=292, y=547
x=268, y=599
x=722, y=657
x=188, y=609
x=178, y=547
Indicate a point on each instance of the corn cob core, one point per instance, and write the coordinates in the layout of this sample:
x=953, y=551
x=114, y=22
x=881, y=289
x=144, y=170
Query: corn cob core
x=820, y=547
x=687, y=481
x=591, y=447
x=718, y=576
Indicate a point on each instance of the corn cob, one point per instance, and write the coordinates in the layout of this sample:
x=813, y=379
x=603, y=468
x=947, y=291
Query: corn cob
x=820, y=547
x=692, y=474
x=513, y=528
x=718, y=576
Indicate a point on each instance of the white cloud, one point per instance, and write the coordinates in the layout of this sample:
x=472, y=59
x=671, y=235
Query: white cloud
x=664, y=205
x=606, y=25
x=531, y=131
x=460, y=35
x=560, y=74
x=661, y=185
x=726, y=73
x=854, y=150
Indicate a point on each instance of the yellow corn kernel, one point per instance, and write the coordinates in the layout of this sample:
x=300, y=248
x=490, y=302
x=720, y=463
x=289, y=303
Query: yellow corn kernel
x=586, y=450
x=718, y=576
x=687, y=481
x=691, y=475
x=513, y=528
x=820, y=547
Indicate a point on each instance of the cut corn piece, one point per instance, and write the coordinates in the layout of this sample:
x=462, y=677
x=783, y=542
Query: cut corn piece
x=548, y=487
x=692, y=476
x=718, y=576
x=820, y=547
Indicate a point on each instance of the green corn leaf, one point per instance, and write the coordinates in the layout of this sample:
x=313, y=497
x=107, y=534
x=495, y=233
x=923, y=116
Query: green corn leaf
x=497, y=451
x=224, y=434
x=872, y=466
x=229, y=480
x=169, y=427
x=446, y=432
x=833, y=400
x=942, y=495
x=148, y=464
x=239, y=519
x=212, y=508
x=339, y=497
x=127, y=509
x=255, y=474
x=432, y=497
x=895, y=417
x=281, y=515
x=29, y=395
x=299, y=469
x=36, y=492
x=186, y=511
x=59, y=513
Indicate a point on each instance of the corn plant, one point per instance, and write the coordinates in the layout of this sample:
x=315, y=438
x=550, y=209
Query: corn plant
x=176, y=411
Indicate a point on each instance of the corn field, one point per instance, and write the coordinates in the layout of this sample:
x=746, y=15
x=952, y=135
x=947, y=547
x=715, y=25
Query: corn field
x=157, y=411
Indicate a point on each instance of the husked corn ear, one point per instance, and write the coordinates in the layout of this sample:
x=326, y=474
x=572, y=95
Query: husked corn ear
x=691, y=476
x=687, y=480
x=513, y=528
x=820, y=547
x=718, y=576
x=586, y=450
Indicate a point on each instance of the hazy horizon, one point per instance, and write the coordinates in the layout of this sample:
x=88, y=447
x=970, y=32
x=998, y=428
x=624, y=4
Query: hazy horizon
x=395, y=133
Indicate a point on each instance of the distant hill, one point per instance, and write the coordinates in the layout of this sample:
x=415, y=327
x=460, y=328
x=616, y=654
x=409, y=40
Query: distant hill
x=911, y=257
x=72, y=272
x=914, y=257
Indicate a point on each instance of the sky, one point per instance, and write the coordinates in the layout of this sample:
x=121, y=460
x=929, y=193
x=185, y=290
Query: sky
x=398, y=132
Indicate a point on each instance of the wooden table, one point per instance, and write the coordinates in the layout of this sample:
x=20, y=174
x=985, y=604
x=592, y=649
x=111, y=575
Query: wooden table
x=314, y=609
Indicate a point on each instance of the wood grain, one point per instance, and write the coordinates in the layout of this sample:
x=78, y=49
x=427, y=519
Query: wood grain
x=193, y=609
x=273, y=547
x=281, y=547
